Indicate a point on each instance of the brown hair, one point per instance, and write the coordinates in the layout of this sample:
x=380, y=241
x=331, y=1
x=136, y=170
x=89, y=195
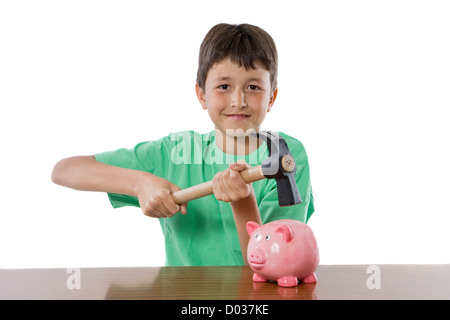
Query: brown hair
x=244, y=44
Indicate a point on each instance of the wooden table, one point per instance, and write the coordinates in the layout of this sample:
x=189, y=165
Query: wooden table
x=341, y=282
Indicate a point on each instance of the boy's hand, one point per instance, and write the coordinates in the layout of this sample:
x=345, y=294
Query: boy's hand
x=155, y=199
x=229, y=186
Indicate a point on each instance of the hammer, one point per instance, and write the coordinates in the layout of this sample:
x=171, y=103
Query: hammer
x=280, y=165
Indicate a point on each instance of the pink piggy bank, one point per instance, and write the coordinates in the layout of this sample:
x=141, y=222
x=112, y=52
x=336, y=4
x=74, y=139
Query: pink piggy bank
x=284, y=251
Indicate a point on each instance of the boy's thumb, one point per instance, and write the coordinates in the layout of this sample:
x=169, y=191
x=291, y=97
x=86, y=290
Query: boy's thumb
x=238, y=165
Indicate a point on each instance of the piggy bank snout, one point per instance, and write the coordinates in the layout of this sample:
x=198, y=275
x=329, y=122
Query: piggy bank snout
x=258, y=256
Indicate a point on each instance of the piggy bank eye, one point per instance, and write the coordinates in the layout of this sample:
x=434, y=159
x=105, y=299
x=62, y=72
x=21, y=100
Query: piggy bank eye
x=268, y=237
x=257, y=236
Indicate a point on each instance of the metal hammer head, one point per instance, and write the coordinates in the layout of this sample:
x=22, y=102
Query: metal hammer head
x=281, y=166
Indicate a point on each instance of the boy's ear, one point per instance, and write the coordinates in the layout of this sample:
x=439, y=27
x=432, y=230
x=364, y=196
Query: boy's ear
x=272, y=99
x=200, y=95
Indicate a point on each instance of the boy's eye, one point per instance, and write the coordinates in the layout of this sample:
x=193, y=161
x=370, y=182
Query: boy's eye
x=253, y=87
x=224, y=87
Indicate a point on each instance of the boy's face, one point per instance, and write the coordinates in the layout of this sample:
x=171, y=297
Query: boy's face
x=236, y=98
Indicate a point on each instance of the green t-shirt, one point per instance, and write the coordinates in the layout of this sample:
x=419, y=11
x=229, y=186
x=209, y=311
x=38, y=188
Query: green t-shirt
x=207, y=235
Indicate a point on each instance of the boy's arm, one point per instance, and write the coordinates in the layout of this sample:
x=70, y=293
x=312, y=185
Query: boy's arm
x=87, y=174
x=243, y=211
x=230, y=187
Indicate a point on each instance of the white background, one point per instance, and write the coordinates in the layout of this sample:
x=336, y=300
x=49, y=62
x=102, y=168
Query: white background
x=365, y=85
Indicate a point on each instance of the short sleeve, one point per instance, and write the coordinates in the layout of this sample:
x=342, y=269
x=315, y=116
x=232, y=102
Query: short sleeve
x=145, y=156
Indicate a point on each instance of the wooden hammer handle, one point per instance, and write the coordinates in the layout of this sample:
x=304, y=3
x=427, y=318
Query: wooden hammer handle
x=205, y=189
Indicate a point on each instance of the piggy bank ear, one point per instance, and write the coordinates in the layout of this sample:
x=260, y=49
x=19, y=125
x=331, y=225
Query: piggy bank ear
x=286, y=232
x=252, y=226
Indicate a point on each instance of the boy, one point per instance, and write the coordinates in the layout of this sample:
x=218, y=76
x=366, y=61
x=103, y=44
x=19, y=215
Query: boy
x=237, y=85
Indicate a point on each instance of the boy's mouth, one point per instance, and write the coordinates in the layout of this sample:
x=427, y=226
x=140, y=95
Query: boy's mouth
x=237, y=116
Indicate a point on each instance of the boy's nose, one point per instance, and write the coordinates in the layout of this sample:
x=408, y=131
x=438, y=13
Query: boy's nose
x=238, y=99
